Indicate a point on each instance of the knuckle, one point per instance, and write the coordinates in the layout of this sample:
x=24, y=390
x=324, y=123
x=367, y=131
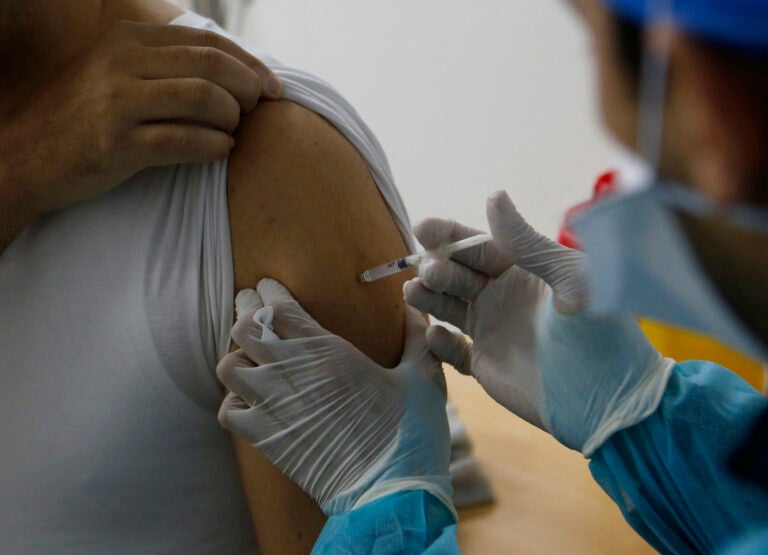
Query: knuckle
x=169, y=95
x=174, y=54
x=111, y=59
x=225, y=368
x=107, y=95
x=119, y=30
x=121, y=34
x=200, y=91
x=223, y=415
x=112, y=92
x=208, y=38
x=237, y=330
x=246, y=331
x=108, y=58
x=208, y=58
x=104, y=123
x=110, y=140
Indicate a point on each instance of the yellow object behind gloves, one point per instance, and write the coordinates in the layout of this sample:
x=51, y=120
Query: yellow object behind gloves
x=681, y=344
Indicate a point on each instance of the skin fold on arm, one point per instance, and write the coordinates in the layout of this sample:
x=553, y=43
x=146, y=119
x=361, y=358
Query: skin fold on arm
x=305, y=210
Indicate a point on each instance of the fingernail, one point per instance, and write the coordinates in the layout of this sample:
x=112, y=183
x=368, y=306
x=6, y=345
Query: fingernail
x=231, y=143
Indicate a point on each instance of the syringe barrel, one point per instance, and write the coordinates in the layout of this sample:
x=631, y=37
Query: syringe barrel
x=382, y=271
x=388, y=269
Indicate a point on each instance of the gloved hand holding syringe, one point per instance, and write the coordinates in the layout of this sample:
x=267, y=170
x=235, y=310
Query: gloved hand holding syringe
x=410, y=261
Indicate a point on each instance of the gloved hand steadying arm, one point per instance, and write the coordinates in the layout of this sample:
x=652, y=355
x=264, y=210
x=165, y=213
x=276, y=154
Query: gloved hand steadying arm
x=536, y=349
x=345, y=429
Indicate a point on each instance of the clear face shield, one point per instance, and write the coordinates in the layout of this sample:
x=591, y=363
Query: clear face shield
x=668, y=253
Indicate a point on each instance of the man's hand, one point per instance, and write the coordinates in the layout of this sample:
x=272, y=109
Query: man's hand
x=141, y=95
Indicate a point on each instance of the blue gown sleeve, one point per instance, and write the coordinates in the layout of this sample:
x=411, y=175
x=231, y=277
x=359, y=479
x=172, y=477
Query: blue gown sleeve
x=409, y=522
x=668, y=473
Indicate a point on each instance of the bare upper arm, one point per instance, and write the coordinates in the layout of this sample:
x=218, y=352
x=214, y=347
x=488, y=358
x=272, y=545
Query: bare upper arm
x=305, y=210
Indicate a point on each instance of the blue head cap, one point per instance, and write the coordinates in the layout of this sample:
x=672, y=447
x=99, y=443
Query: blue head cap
x=739, y=23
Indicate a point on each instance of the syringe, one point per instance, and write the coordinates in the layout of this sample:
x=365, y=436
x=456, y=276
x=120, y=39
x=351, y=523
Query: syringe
x=443, y=251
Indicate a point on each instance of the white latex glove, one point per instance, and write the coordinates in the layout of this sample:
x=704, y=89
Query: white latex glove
x=346, y=430
x=535, y=349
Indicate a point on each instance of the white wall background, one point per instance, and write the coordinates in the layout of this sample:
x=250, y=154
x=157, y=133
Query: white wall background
x=466, y=97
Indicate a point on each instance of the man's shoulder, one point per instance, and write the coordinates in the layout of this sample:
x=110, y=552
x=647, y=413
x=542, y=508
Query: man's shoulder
x=304, y=209
x=291, y=165
x=287, y=136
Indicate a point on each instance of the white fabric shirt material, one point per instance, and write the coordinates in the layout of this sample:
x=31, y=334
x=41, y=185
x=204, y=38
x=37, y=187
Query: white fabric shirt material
x=113, y=315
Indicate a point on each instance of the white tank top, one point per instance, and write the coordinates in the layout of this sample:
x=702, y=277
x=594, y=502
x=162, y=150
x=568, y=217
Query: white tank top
x=113, y=314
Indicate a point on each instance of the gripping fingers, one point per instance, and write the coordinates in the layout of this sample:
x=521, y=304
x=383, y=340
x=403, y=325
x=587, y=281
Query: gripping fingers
x=231, y=403
x=264, y=386
x=486, y=258
x=210, y=64
x=247, y=334
x=187, y=99
x=165, y=144
x=252, y=424
x=447, y=276
x=177, y=35
x=443, y=307
x=450, y=347
x=228, y=373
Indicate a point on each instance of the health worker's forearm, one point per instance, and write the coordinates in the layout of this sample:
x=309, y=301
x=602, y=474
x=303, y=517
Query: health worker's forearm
x=668, y=473
x=403, y=522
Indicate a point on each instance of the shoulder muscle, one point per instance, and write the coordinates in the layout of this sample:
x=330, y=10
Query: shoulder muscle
x=305, y=210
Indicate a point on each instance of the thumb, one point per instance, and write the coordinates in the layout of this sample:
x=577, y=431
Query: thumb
x=513, y=234
x=415, y=326
x=563, y=269
x=451, y=347
x=416, y=354
x=247, y=301
x=273, y=292
x=289, y=320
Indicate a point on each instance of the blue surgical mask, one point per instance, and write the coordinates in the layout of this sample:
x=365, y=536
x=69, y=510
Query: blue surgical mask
x=642, y=260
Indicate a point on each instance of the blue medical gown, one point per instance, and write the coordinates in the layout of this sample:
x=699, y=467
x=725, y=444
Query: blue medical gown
x=667, y=474
x=407, y=523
